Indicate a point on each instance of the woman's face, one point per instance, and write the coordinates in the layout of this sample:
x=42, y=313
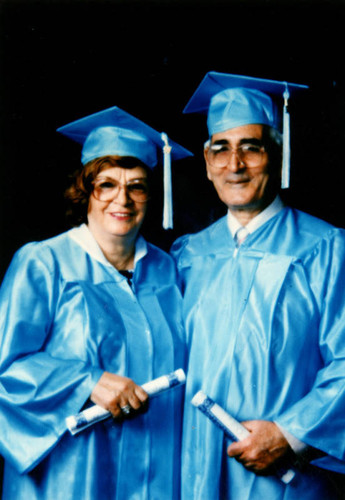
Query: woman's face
x=114, y=209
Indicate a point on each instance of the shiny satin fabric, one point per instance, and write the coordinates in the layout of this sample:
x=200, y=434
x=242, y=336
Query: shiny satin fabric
x=65, y=318
x=266, y=333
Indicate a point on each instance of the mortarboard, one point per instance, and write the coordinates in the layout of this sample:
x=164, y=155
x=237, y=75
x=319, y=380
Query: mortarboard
x=234, y=100
x=116, y=132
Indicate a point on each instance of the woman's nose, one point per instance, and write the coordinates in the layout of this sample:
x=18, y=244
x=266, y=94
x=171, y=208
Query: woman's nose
x=122, y=196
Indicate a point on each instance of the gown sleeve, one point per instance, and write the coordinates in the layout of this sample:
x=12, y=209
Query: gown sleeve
x=37, y=390
x=318, y=418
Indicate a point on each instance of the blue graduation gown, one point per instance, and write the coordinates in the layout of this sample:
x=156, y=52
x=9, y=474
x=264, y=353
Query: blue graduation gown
x=266, y=333
x=65, y=318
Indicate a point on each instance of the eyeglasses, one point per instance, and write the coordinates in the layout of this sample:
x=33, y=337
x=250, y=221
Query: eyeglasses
x=107, y=189
x=219, y=155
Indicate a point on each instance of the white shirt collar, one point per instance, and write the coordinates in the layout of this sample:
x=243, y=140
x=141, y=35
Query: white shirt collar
x=260, y=219
x=84, y=238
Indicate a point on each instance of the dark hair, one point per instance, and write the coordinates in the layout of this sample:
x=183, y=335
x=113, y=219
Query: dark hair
x=78, y=194
x=272, y=137
x=273, y=142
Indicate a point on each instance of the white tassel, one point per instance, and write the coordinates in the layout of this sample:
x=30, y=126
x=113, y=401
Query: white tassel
x=285, y=181
x=167, y=208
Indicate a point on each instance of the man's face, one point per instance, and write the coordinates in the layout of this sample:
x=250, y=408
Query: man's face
x=246, y=186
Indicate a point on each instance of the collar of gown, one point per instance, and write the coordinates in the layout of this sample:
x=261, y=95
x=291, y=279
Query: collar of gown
x=267, y=214
x=84, y=238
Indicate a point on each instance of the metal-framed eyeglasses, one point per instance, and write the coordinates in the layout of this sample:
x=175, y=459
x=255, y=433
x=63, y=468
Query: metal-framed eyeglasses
x=107, y=189
x=219, y=155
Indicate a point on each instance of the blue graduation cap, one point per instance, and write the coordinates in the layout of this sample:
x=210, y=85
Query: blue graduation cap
x=234, y=100
x=116, y=132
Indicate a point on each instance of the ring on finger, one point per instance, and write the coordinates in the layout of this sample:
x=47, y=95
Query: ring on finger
x=126, y=409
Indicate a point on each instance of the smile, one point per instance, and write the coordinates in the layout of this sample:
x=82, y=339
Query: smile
x=237, y=183
x=121, y=215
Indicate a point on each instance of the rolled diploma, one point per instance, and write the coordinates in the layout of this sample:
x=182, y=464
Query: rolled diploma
x=231, y=427
x=79, y=422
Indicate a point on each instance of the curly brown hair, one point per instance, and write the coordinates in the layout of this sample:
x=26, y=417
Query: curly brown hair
x=78, y=193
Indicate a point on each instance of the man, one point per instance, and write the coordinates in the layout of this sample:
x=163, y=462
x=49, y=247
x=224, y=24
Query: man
x=264, y=314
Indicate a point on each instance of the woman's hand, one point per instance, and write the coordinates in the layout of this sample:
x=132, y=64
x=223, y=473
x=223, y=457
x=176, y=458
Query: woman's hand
x=114, y=393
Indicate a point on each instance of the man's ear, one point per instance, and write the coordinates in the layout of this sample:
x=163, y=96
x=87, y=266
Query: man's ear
x=208, y=174
x=206, y=146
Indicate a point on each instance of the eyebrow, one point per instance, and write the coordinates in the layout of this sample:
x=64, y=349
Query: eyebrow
x=106, y=178
x=245, y=140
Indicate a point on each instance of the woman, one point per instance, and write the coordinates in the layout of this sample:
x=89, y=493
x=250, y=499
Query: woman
x=88, y=317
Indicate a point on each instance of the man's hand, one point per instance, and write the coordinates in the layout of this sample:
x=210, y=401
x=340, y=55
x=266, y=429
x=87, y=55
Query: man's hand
x=264, y=448
x=114, y=392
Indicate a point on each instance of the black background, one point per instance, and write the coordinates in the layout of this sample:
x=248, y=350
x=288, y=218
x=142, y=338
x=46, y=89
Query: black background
x=61, y=60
